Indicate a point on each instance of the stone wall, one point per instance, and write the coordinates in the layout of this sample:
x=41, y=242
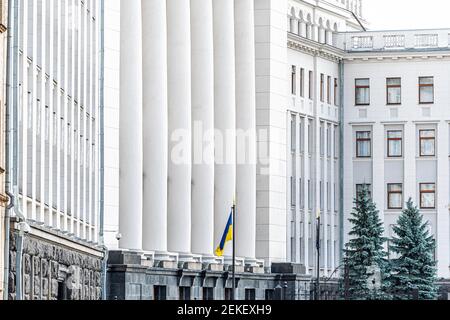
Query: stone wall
x=54, y=272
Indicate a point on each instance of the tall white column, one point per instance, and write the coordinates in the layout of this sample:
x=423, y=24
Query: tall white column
x=155, y=131
x=246, y=124
x=225, y=114
x=203, y=123
x=179, y=98
x=131, y=125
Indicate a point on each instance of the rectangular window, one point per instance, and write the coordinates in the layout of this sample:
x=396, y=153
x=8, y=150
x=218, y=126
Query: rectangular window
x=322, y=140
x=293, y=80
x=360, y=188
x=395, y=144
x=394, y=91
x=311, y=86
x=293, y=192
x=293, y=135
x=336, y=87
x=395, y=196
x=310, y=196
x=363, y=144
x=300, y=191
x=329, y=142
x=250, y=294
x=362, y=92
x=269, y=294
x=321, y=196
x=310, y=137
x=329, y=90
x=185, y=293
x=427, y=143
x=208, y=293
x=302, y=82
x=159, y=293
x=426, y=90
x=428, y=196
x=228, y=294
x=322, y=87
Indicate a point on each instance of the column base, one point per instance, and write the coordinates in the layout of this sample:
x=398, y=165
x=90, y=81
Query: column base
x=240, y=264
x=165, y=260
x=212, y=263
x=188, y=261
x=253, y=265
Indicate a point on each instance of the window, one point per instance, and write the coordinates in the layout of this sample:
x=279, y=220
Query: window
x=300, y=190
x=322, y=140
x=427, y=143
x=293, y=135
x=329, y=142
x=363, y=144
x=394, y=91
x=310, y=196
x=322, y=87
x=208, y=293
x=310, y=137
x=321, y=196
x=395, y=196
x=185, y=293
x=293, y=80
x=395, y=144
x=360, y=188
x=228, y=294
x=250, y=294
x=362, y=92
x=329, y=90
x=293, y=192
x=311, y=87
x=336, y=87
x=428, y=196
x=302, y=82
x=269, y=294
x=159, y=293
x=426, y=90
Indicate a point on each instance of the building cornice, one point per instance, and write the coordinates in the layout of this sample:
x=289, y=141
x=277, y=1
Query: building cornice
x=313, y=48
x=376, y=56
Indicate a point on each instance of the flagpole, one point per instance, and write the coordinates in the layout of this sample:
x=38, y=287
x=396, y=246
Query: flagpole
x=318, y=256
x=234, y=253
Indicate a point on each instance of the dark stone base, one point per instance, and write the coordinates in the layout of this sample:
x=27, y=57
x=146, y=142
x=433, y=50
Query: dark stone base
x=54, y=272
x=128, y=279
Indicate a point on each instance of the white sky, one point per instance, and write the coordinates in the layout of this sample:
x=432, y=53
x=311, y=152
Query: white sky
x=407, y=14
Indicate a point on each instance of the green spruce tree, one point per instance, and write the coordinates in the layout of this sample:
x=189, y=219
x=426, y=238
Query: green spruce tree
x=366, y=266
x=415, y=267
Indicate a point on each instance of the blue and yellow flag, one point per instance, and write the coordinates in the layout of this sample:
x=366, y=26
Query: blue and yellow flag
x=227, y=236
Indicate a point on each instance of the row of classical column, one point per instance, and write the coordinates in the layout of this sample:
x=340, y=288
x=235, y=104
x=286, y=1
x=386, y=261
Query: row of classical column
x=185, y=62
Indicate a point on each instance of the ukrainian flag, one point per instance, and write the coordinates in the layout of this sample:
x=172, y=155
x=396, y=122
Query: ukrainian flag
x=227, y=236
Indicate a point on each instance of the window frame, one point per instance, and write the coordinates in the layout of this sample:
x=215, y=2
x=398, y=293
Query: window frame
x=421, y=154
x=336, y=86
x=422, y=192
x=357, y=87
x=328, y=89
x=390, y=86
x=302, y=82
x=322, y=87
x=394, y=139
x=357, y=140
x=390, y=193
x=424, y=86
x=311, y=85
x=294, y=80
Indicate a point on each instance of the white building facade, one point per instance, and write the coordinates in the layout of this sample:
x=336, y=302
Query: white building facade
x=397, y=126
x=53, y=150
x=285, y=70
